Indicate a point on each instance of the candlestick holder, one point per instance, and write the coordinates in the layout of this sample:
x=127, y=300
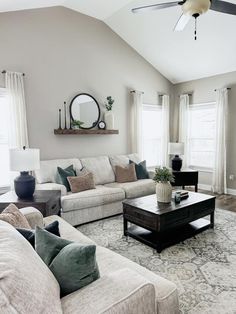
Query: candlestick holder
x=59, y=128
x=65, y=128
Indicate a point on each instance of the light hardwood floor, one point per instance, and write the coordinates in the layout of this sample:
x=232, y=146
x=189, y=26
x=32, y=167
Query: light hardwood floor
x=227, y=202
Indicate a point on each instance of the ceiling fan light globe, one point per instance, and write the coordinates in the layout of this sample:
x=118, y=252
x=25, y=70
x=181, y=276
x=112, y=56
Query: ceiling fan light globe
x=191, y=7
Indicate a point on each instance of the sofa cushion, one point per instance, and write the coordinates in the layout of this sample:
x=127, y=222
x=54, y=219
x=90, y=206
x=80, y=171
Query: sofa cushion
x=30, y=234
x=81, y=183
x=48, y=168
x=126, y=174
x=123, y=160
x=63, y=174
x=135, y=189
x=123, y=291
x=67, y=232
x=90, y=198
x=166, y=291
x=25, y=280
x=141, y=170
x=13, y=216
x=74, y=265
x=100, y=168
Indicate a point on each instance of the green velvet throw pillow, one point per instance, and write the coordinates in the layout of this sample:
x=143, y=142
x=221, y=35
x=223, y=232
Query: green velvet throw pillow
x=141, y=170
x=62, y=174
x=73, y=265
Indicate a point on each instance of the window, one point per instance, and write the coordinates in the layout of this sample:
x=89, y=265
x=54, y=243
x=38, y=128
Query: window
x=201, y=135
x=151, y=134
x=4, y=144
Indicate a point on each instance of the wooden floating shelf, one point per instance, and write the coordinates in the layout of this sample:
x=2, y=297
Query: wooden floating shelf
x=84, y=132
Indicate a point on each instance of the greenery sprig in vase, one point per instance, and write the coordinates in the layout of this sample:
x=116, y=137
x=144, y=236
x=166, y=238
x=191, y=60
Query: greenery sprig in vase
x=109, y=103
x=108, y=116
x=163, y=177
x=76, y=124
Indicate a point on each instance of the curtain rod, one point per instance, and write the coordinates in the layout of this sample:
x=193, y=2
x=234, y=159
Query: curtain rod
x=189, y=94
x=228, y=88
x=134, y=91
x=4, y=72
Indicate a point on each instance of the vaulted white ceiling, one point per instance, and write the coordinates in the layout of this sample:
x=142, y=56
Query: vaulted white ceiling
x=176, y=55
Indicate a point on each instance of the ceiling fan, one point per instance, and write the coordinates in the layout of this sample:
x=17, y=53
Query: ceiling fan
x=191, y=8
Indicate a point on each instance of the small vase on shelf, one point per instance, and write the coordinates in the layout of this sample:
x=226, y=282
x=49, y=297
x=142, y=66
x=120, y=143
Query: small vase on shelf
x=109, y=120
x=109, y=116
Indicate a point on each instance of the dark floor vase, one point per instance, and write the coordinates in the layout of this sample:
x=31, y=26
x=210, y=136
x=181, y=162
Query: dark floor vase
x=24, y=185
x=176, y=163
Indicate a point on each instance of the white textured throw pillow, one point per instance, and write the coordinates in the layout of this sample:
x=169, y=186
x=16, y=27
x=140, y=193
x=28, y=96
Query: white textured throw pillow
x=26, y=283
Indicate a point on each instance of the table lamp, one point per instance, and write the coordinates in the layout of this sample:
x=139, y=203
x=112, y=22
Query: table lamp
x=24, y=160
x=176, y=149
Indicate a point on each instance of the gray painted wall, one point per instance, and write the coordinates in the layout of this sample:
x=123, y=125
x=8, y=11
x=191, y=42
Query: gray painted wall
x=64, y=53
x=203, y=91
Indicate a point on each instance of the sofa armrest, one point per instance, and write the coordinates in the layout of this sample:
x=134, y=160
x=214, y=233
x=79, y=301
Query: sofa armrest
x=52, y=186
x=151, y=174
x=120, y=292
x=34, y=217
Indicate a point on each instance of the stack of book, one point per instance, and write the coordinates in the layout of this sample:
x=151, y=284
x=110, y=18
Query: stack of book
x=184, y=195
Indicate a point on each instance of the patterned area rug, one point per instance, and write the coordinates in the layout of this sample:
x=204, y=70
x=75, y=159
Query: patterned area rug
x=203, y=268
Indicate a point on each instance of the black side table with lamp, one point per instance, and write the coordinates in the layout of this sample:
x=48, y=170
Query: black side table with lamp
x=183, y=177
x=24, y=160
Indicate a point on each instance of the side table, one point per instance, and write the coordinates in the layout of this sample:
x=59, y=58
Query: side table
x=47, y=202
x=186, y=177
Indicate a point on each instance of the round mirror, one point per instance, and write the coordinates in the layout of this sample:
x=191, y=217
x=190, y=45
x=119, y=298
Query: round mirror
x=85, y=109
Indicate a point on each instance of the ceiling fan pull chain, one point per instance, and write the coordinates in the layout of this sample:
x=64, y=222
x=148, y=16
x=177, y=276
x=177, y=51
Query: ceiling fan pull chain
x=196, y=15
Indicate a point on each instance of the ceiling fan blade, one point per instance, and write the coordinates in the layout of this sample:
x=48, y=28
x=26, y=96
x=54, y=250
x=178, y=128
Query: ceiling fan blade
x=182, y=22
x=156, y=6
x=224, y=7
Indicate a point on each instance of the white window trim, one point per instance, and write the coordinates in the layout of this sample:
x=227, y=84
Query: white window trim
x=191, y=107
x=157, y=107
x=4, y=189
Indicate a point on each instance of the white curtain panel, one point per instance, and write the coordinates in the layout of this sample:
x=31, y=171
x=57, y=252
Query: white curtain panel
x=18, y=136
x=136, y=123
x=183, y=126
x=219, y=171
x=165, y=138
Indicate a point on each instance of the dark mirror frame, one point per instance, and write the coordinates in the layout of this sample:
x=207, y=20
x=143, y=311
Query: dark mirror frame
x=99, y=110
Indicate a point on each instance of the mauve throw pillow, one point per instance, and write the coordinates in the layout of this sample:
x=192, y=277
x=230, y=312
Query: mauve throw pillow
x=141, y=170
x=62, y=174
x=73, y=265
x=81, y=183
x=14, y=217
x=30, y=234
x=126, y=174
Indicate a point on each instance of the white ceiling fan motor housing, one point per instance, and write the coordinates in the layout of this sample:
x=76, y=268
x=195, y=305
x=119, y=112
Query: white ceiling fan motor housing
x=191, y=7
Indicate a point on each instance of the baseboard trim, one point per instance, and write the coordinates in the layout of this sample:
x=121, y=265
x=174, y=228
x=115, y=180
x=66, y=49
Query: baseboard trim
x=207, y=187
x=231, y=191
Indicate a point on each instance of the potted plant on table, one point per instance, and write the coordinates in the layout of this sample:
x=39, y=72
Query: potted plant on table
x=76, y=124
x=163, y=177
x=108, y=116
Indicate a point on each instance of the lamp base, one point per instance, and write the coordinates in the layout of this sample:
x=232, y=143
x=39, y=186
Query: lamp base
x=176, y=163
x=24, y=185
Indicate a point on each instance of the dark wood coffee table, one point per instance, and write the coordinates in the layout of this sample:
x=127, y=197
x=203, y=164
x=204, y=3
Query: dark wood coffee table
x=162, y=225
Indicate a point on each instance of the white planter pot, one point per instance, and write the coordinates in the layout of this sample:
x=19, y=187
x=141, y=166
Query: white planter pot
x=164, y=192
x=109, y=120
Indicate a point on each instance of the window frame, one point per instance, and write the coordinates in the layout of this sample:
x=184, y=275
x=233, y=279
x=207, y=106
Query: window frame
x=3, y=93
x=205, y=105
x=158, y=107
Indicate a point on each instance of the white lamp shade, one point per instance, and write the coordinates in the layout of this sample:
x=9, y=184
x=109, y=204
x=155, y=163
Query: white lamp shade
x=176, y=148
x=24, y=159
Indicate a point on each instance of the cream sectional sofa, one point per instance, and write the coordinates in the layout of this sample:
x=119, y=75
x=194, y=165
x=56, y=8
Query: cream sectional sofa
x=104, y=201
x=124, y=287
